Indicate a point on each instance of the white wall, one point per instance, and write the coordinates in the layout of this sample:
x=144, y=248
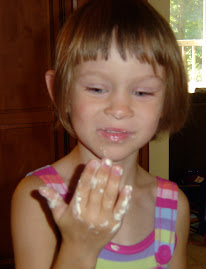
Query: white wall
x=159, y=150
x=162, y=6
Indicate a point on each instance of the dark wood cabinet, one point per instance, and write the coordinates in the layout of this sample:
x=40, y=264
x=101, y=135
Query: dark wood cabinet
x=29, y=137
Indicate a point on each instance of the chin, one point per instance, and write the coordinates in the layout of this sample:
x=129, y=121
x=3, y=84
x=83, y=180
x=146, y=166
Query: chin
x=116, y=155
x=116, y=152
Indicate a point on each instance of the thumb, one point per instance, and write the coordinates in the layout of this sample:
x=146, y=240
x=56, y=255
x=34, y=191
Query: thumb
x=54, y=200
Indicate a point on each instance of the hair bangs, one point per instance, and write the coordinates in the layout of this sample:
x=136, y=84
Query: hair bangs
x=144, y=41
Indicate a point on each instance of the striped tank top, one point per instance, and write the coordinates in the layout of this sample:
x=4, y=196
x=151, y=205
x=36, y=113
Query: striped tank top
x=156, y=250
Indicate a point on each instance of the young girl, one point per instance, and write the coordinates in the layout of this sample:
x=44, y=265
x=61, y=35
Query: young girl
x=118, y=82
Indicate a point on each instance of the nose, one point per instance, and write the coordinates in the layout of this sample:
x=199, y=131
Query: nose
x=119, y=107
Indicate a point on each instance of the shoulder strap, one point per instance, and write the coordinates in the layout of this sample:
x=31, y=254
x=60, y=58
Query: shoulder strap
x=52, y=179
x=165, y=220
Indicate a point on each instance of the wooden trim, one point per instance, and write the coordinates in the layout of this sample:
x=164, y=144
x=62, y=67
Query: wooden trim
x=24, y=125
x=51, y=20
x=7, y=263
x=24, y=117
x=62, y=12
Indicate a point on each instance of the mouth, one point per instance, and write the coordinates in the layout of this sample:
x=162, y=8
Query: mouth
x=114, y=134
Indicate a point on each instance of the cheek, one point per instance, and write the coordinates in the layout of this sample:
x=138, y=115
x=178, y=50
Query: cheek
x=81, y=112
x=77, y=113
x=149, y=119
x=151, y=112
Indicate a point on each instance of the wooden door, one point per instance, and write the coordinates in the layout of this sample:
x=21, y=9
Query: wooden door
x=29, y=135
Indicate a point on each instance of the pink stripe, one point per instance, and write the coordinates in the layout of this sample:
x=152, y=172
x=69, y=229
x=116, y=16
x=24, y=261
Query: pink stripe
x=169, y=194
x=52, y=179
x=172, y=221
x=167, y=184
x=159, y=217
x=49, y=176
x=166, y=203
x=122, y=249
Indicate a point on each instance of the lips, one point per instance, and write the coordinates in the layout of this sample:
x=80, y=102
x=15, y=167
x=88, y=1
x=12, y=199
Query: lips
x=114, y=134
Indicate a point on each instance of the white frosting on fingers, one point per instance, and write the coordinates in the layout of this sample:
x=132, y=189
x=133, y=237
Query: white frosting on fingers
x=77, y=208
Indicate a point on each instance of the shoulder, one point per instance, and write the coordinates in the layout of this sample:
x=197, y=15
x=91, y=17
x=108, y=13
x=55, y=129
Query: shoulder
x=183, y=204
x=27, y=205
x=179, y=259
x=183, y=212
x=26, y=190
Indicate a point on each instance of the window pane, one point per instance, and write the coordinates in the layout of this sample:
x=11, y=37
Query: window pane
x=186, y=18
x=187, y=22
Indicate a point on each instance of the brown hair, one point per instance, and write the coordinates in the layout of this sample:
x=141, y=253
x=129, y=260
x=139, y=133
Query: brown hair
x=139, y=30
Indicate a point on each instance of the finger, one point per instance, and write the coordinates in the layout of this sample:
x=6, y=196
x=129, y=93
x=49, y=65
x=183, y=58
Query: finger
x=101, y=176
x=98, y=184
x=121, y=207
x=84, y=184
x=54, y=200
x=82, y=192
x=122, y=204
x=112, y=188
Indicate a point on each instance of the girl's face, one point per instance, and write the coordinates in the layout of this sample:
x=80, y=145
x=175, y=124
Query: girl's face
x=115, y=105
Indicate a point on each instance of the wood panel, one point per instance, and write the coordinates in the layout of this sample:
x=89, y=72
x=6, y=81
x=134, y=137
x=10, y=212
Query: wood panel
x=23, y=149
x=29, y=137
x=81, y=2
x=24, y=53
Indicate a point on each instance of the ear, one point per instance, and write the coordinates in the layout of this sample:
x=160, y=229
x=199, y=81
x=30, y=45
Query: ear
x=49, y=78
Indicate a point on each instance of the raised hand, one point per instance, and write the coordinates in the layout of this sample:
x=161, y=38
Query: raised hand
x=97, y=208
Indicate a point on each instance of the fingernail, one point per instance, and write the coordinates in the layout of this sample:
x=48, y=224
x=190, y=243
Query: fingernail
x=128, y=189
x=107, y=162
x=117, y=170
x=94, y=163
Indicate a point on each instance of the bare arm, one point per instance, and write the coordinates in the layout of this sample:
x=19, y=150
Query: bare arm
x=179, y=259
x=34, y=232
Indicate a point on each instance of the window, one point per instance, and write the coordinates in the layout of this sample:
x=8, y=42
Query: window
x=188, y=21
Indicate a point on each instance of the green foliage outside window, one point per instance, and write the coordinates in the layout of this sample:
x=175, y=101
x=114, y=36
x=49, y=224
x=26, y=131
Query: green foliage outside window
x=186, y=20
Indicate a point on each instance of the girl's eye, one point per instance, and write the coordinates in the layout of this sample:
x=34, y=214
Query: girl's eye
x=142, y=93
x=96, y=90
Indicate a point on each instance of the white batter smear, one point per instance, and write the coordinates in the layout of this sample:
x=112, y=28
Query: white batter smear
x=116, y=227
x=124, y=207
x=77, y=208
x=105, y=224
x=108, y=162
x=52, y=201
x=91, y=226
x=101, y=191
x=55, y=202
x=94, y=182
